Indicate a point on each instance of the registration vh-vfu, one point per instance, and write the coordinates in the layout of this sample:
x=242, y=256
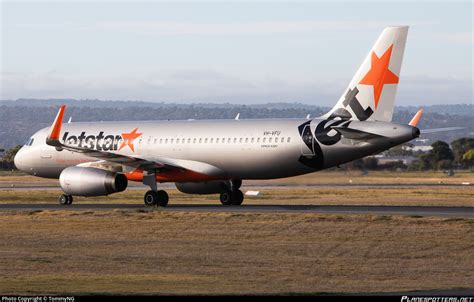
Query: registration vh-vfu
x=215, y=156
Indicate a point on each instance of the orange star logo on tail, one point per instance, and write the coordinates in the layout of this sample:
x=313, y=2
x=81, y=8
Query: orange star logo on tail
x=379, y=74
x=128, y=139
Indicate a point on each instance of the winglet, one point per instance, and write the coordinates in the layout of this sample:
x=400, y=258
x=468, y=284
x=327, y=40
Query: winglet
x=53, y=136
x=416, y=118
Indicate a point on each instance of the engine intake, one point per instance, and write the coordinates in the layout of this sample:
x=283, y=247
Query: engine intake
x=85, y=181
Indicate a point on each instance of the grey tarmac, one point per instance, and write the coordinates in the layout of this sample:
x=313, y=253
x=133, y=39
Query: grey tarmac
x=466, y=212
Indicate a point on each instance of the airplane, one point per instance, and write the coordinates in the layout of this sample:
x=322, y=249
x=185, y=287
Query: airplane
x=215, y=156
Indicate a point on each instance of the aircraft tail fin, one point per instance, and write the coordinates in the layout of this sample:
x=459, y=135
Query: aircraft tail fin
x=371, y=92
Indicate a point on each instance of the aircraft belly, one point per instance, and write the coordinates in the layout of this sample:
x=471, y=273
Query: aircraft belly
x=247, y=162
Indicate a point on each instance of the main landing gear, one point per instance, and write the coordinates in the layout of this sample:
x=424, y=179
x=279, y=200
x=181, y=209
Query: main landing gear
x=65, y=199
x=156, y=198
x=234, y=198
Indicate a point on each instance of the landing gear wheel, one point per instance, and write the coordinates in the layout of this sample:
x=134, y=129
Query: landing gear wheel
x=162, y=198
x=226, y=198
x=151, y=198
x=237, y=198
x=159, y=198
x=65, y=199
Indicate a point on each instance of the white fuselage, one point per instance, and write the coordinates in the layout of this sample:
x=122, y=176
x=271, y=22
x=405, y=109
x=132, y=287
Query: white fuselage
x=224, y=149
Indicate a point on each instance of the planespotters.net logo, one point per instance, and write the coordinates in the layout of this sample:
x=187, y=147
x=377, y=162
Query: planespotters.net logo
x=437, y=299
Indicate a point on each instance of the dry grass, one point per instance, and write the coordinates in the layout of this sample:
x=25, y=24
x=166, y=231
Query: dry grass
x=425, y=196
x=318, y=178
x=371, y=178
x=121, y=252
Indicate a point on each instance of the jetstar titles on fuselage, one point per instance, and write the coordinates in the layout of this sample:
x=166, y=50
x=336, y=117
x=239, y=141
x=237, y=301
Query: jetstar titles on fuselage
x=101, y=142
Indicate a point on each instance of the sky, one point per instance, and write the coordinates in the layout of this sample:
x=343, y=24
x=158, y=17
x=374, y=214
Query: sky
x=239, y=52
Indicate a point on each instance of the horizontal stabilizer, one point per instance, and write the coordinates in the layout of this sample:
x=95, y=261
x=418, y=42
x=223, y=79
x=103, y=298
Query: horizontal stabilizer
x=416, y=118
x=434, y=130
x=355, y=134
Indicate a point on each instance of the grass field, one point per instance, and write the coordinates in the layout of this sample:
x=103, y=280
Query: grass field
x=148, y=252
x=151, y=251
x=318, y=178
x=424, y=196
x=409, y=193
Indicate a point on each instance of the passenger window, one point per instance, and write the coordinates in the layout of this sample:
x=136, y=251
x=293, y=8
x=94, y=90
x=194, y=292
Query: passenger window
x=194, y=140
x=258, y=139
x=166, y=141
x=264, y=139
x=161, y=140
x=177, y=140
x=212, y=140
x=217, y=140
x=253, y=139
x=288, y=140
x=200, y=140
x=228, y=140
x=270, y=140
x=246, y=140
x=189, y=140
x=235, y=140
x=240, y=140
x=282, y=139
x=171, y=140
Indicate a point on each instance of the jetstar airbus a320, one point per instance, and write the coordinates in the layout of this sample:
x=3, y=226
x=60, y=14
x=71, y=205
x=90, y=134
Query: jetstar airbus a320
x=215, y=156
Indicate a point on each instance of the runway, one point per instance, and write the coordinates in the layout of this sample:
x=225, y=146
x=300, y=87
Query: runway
x=321, y=209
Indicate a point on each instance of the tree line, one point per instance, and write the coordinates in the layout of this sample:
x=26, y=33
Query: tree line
x=18, y=122
x=459, y=155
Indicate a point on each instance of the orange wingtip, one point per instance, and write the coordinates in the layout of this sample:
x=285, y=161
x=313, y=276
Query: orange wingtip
x=416, y=118
x=56, y=126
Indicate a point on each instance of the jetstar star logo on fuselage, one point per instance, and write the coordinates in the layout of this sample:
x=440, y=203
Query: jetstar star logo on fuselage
x=101, y=142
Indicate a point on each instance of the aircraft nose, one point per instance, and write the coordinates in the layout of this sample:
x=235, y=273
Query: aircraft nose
x=20, y=160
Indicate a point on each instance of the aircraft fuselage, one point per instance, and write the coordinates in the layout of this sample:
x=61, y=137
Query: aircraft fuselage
x=232, y=149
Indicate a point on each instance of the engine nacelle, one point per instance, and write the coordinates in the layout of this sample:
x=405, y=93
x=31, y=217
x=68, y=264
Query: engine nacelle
x=85, y=181
x=208, y=187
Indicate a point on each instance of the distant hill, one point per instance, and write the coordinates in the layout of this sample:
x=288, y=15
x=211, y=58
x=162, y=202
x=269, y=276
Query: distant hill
x=21, y=118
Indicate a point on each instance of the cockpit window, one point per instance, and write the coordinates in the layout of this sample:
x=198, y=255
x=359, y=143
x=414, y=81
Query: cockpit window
x=30, y=142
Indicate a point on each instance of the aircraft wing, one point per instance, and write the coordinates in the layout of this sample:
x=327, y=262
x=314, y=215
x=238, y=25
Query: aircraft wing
x=150, y=164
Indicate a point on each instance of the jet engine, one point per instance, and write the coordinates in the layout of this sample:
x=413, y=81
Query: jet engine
x=208, y=187
x=86, y=181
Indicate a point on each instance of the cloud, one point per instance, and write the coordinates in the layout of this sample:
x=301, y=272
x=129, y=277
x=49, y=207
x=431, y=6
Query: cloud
x=214, y=86
x=460, y=37
x=253, y=28
x=227, y=28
